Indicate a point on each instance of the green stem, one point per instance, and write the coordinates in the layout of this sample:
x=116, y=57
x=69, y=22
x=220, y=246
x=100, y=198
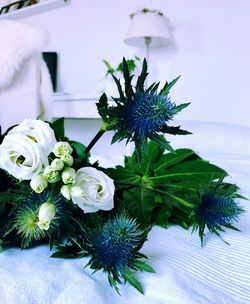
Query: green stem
x=95, y=140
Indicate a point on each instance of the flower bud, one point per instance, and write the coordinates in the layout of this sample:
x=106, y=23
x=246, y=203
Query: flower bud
x=69, y=176
x=66, y=191
x=62, y=148
x=57, y=164
x=47, y=212
x=38, y=183
x=51, y=174
x=67, y=159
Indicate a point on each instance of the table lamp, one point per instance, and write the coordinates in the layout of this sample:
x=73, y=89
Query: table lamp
x=149, y=29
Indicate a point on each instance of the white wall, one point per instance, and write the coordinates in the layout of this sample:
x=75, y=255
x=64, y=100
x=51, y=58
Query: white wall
x=211, y=51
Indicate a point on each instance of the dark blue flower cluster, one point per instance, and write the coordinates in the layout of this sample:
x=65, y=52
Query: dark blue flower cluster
x=115, y=243
x=146, y=113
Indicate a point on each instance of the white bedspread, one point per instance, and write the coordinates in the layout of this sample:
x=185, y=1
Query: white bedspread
x=185, y=272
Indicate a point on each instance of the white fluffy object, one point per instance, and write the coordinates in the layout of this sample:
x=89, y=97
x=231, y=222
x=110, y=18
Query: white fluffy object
x=18, y=42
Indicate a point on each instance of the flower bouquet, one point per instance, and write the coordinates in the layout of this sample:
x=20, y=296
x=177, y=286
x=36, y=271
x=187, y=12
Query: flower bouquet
x=51, y=192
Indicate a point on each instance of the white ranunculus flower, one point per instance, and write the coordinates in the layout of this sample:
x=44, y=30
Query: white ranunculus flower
x=47, y=212
x=39, y=131
x=93, y=190
x=22, y=157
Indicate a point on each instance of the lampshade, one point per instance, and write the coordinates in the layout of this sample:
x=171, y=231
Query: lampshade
x=148, y=25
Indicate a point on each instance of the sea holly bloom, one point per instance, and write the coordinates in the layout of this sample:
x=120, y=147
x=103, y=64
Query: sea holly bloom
x=214, y=210
x=114, y=248
x=140, y=113
x=39, y=183
x=47, y=212
x=69, y=176
x=62, y=148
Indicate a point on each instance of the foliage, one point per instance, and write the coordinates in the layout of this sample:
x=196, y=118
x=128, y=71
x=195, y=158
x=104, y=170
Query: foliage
x=163, y=188
x=130, y=62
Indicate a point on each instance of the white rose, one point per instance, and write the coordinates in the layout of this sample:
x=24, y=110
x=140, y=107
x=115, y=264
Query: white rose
x=22, y=157
x=39, y=131
x=47, y=212
x=93, y=190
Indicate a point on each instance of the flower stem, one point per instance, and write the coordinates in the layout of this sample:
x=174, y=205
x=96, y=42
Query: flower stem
x=95, y=140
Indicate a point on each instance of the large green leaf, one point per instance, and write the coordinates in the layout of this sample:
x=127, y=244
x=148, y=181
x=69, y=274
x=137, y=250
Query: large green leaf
x=140, y=203
x=163, y=186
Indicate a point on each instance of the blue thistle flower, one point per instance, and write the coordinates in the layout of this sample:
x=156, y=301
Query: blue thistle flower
x=115, y=244
x=146, y=114
x=140, y=114
x=216, y=208
x=114, y=247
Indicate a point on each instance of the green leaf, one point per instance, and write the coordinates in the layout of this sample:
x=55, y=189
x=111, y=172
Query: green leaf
x=143, y=266
x=168, y=86
x=119, y=87
x=102, y=104
x=81, y=157
x=142, y=77
x=58, y=127
x=174, y=130
x=140, y=203
x=161, y=140
x=128, y=88
x=180, y=107
x=130, y=278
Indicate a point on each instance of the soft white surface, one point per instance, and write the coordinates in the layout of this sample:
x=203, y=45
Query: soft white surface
x=185, y=272
x=18, y=42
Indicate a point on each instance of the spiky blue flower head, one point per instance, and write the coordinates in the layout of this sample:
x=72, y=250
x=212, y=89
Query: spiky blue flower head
x=114, y=247
x=140, y=113
x=216, y=208
x=146, y=114
x=115, y=244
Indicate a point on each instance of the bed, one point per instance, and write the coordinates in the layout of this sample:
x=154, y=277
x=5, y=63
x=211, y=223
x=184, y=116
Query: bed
x=185, y=272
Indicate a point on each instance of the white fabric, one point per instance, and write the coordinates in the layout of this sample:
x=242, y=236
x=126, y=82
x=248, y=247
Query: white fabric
x=185, y=272
x=18, y=42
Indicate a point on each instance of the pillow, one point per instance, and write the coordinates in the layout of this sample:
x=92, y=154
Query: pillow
x=216, y=137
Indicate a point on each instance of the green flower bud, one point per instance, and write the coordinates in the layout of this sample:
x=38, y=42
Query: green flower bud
x=57, y=164
x=47, y=212
x=51, y=174
x=67, y=159
x=69, y=176
x=62, y=148
x=38, y=183
x=66, y=191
